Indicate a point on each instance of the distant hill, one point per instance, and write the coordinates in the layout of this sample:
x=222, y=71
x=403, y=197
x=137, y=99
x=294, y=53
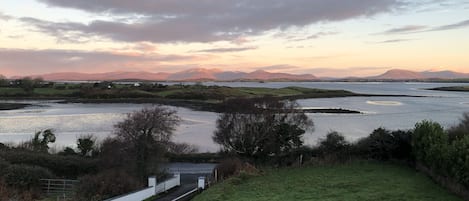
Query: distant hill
x=186, y=75
x=73, y=76
x=203, y=74
x=399, y=74
x=445, y=74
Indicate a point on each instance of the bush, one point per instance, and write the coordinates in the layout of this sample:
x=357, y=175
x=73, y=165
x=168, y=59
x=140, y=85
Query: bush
x=68, y=151
x=459, y=160
x=443, y=155
x=63, y=166
x=460, y=130
x=333, y=143
x=228, y=168
x=11, y=194
x=333, y=148
x=235, y=167
x=430, y=145
x=3, y=166
x=106, y=185
x=385, y=145
x=3, y=147
x=25, y=177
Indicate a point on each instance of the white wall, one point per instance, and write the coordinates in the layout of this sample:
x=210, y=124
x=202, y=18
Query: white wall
x=137, y=196
x=169, y=184
x=151, y=190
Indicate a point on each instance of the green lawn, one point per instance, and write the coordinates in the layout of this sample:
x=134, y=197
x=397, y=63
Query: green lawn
x=357, y=181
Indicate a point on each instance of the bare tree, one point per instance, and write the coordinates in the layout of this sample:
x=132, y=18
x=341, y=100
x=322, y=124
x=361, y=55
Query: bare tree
x=182, y=148
x=147, y=132
x=261, y=128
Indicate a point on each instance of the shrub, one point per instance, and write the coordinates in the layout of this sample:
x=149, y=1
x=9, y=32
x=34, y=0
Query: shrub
x=11, y=194
x=68, y=151
x=228, y=168
x=459, y=160
x=385, y=145
x=3, y=147
x=333, y=148
x=430, y=145
x=334, y=142
x=106, y=184
x=63, y=166
x=3, y=166
x=25, y=177
x=460, y=130
x=235, y=167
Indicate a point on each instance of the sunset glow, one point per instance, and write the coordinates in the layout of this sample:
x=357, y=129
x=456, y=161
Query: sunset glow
x=327, y=38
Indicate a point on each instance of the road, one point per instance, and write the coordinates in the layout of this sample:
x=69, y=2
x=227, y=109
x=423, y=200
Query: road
x=188, y=183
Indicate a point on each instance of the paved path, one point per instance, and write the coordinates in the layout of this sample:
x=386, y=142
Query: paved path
x=188, y=183
x=181, y=190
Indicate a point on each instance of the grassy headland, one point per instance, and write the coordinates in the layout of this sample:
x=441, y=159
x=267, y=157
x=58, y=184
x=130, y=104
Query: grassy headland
x=198, y=97
x=355, y=181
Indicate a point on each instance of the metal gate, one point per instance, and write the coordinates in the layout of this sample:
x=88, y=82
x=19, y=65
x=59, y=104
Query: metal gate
x=58, y=187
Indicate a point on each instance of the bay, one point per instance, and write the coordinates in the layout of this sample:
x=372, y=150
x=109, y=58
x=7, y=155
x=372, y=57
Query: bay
x=73, y=120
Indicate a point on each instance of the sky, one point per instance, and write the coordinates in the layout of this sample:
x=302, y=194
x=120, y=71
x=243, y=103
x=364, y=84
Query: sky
x=327, y=38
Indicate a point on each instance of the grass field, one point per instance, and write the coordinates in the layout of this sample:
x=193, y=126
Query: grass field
x=357, y=181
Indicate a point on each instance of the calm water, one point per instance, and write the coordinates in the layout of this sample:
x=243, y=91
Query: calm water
x=72, y=120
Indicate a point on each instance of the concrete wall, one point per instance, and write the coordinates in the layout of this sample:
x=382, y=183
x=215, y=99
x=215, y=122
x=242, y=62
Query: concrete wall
x=153, y=189
x=136, y=196
x=168, y=184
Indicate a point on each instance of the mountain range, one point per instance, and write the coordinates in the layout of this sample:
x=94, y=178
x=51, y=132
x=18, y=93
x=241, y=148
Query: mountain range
x=186, y=75
x=399, y=74
x=202, y=74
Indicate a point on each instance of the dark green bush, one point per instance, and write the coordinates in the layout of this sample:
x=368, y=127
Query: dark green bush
x=460, y=130
x=3, y=147
x=447, y=156
x=3, y=166
x=23, y=176
x=106, y=184
x=385, y=145
x=333, y=142
x=430, y=145
x=63, y=166
x=459, y=160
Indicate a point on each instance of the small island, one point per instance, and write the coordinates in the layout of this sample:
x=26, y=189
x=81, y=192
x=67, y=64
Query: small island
x=13, y=106
x=452, y=88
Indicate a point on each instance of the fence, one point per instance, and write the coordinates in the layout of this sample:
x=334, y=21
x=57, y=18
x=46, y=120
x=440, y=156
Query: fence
x=153, y=189
x=62, y=187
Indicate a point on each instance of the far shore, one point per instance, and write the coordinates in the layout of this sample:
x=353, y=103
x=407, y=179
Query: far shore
x=195, y=97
